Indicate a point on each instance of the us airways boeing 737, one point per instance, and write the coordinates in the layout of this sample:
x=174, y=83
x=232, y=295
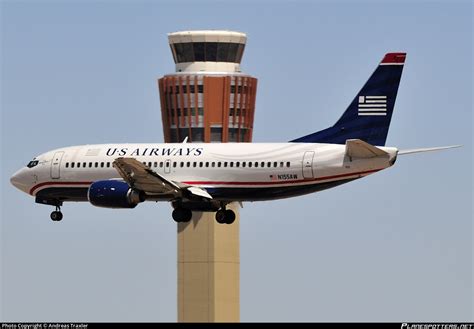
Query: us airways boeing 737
x=207, y=177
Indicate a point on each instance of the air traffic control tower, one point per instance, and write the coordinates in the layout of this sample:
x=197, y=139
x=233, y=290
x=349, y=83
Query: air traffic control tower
x=208, y=99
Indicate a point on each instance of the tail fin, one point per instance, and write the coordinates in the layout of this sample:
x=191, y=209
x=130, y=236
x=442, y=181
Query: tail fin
x=368, y=116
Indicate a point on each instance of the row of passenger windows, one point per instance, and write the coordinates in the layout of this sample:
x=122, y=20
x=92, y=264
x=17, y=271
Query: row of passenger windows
x=187, y=164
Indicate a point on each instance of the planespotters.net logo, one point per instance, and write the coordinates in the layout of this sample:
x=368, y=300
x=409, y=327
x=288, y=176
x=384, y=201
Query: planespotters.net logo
x=437, y=326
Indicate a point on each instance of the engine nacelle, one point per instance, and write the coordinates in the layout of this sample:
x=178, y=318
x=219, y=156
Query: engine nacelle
x=114, y=194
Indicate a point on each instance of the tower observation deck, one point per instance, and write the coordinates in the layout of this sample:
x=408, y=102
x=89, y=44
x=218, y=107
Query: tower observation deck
x=208, y=98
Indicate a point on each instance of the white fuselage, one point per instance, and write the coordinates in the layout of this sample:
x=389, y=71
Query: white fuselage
x=232, y=172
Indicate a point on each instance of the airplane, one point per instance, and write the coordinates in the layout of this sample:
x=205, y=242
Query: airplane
x=208, y=177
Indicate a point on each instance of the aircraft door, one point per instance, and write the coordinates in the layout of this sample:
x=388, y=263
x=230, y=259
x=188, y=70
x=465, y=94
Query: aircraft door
x=56, y=164
x=308, y=164
x=167, y=166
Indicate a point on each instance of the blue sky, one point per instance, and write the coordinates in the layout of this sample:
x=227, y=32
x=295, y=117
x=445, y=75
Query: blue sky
x=395, y=246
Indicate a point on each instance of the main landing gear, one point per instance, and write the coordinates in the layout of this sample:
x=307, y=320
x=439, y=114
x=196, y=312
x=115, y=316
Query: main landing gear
x=181, y=215
x=225, y=216
x=56, y=215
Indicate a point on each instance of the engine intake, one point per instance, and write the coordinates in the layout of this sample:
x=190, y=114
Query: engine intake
x=114, y=194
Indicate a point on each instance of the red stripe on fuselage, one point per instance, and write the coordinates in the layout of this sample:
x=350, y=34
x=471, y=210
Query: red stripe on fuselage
x=281, y=181
x=34, y=188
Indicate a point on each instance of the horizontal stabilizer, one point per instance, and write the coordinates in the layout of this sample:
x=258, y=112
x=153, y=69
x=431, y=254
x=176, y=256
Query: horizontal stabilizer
x=429, y=149
x=356, y=148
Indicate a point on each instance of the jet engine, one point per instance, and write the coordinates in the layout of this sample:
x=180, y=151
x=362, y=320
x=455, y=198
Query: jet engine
x=114, y=194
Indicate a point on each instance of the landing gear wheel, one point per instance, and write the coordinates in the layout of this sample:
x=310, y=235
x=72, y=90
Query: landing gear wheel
x=229, y=216
x=221, y=216
x=56, y=216
x=181, y=215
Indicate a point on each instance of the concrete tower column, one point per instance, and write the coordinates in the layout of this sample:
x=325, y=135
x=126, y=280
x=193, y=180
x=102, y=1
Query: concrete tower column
x=208, y=99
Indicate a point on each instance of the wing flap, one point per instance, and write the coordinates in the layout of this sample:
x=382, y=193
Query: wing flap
x=199, y=192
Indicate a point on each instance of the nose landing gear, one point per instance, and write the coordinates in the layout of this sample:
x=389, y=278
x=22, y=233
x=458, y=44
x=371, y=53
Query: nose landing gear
x=56, y=215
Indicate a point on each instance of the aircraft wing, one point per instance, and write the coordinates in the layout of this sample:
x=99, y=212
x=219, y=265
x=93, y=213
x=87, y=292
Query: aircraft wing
x=141, y=177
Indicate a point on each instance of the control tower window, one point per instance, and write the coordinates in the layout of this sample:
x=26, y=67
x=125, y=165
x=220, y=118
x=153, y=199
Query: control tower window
x=184, y=52
x=232, y=54
x=211, y=51
x=199, y=51
x=207, y=52
x=222, y=51
x=240, y=52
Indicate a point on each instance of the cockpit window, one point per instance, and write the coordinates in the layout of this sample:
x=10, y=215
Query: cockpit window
x=31, y=164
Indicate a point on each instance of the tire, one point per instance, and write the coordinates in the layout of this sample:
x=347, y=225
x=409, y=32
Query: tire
x=56, y=216
x=177, y=215
x=229, y=216
x=181, y=215
x=221, y=217
x=187, y=215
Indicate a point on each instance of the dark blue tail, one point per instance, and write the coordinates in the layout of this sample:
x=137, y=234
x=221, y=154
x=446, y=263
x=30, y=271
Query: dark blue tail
x=368, y=116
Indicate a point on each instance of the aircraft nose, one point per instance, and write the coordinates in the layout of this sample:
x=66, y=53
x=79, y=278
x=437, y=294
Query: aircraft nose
x=21, y=180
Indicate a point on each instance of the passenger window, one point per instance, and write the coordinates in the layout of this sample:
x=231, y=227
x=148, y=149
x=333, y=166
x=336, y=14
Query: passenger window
x=102, y=165
x=275, y=164
x=90, y=164
x=96, y=164
x=167, y=164
x=161, y=164
x=181, y=164
x=149, y=164
x=244, y=164
x=174, y=164
x=200, y=164
x=194, y=164
x=269, y=164
x=108, y=164
x=207, y=164
x=72, y=164
x=84, y=165
x=288, y=164
x=67, y=164
x=237, y=164
x=256, y=164
x=155, y=164
x=213, y=164
x=231, y=164
x=262, y=164
x=281, y=164
x=188, y=164
x=250, y=164
x=219, y=164
x=225, y=164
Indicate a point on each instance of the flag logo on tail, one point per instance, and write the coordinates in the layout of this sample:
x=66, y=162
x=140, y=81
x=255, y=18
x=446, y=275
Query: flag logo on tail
x=372, y=105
